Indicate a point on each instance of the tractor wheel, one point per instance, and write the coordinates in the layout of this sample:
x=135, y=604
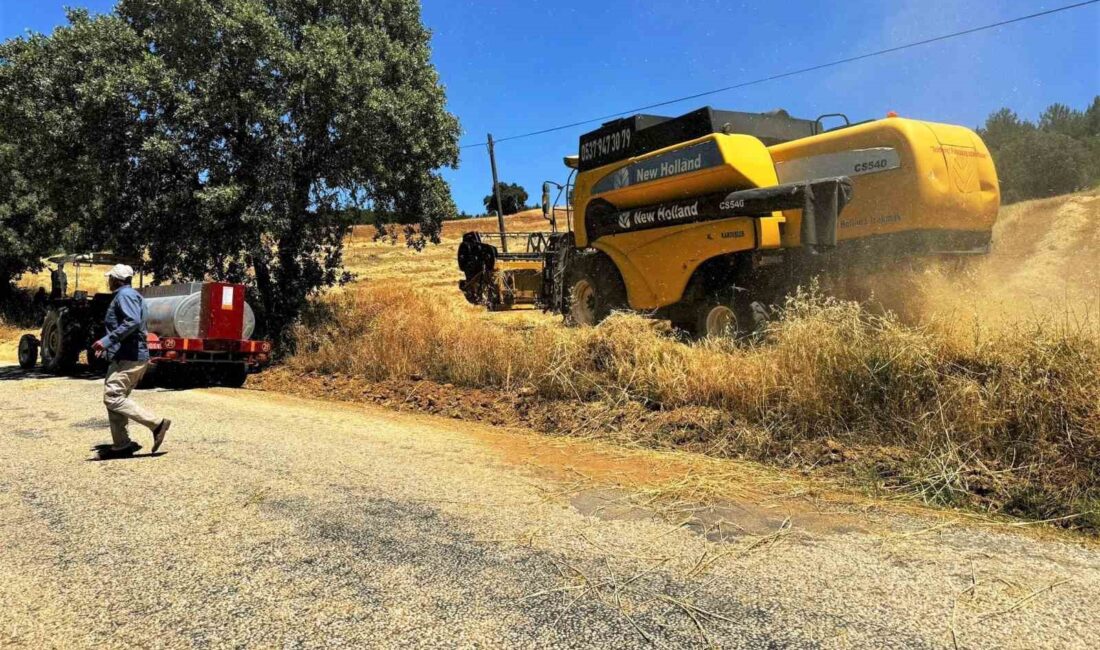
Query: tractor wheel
x=28, y=351
x=59, y=349
x=595, y=290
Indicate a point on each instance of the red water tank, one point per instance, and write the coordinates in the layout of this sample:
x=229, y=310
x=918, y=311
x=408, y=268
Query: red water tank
x=222, y=311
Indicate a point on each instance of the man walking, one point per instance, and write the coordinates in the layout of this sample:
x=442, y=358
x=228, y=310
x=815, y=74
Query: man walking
x=125, y=346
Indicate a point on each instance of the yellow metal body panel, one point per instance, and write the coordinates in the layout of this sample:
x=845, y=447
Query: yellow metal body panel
x=519, y=265
x=656, y=264
x=745, y=163
x=937, y=177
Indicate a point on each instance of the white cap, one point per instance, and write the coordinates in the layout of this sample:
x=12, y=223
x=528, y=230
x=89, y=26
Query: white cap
x=120, y=272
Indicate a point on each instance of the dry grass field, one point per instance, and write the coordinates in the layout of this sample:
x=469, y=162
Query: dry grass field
x=974, y=385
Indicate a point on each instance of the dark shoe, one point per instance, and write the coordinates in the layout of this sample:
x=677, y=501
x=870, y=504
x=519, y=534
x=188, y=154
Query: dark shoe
x=124, y=452
x=159, y=432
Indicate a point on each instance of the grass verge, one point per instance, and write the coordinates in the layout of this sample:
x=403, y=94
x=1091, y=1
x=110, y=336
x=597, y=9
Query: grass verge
x=1004, y=420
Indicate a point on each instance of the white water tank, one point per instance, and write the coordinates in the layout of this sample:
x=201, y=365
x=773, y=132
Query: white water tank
x=176, y=310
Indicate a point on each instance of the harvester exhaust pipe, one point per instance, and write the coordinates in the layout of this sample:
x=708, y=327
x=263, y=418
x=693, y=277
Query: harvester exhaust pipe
x=547, y=206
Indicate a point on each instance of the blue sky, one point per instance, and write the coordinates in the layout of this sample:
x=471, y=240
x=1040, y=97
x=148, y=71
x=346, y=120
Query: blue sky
x=514, y=67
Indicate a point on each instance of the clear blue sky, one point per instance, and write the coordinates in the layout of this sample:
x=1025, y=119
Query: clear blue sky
x=514, y=67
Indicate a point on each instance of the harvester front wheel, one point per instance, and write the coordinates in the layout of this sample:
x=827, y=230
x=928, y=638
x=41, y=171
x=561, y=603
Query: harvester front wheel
x=594, y=292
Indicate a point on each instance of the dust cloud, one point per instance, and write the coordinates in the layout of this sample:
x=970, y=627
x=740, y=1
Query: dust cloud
x=1044, y=267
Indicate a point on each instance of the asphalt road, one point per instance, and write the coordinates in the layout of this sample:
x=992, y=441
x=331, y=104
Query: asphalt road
x=272, y=521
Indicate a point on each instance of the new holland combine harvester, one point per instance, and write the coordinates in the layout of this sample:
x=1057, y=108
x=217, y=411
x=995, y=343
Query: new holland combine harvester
x=705, y=218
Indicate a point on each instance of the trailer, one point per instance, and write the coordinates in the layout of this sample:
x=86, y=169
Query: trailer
x=196, y=328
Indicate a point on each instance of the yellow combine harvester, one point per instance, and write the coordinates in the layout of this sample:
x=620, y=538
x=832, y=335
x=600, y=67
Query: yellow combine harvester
x=705, y=218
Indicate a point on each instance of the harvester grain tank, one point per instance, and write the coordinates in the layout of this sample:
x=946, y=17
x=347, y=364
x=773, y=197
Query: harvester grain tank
x=705, y=218
x=920, y=187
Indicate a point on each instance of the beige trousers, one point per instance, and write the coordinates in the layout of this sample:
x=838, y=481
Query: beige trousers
x=122, y=378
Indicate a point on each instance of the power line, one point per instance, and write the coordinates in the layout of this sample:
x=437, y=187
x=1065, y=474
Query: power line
x=792, y=73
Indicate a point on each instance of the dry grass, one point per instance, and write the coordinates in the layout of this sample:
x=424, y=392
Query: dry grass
x=982, y=383
x=1011, y=414
x=7, y=331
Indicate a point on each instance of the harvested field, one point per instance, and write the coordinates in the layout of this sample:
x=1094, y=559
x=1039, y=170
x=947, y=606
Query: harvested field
x=980, y=386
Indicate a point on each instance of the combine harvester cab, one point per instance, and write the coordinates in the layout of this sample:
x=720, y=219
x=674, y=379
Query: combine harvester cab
x=706, y=218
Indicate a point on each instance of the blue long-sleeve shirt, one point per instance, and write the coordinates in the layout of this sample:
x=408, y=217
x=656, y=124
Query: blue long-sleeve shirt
x=126, y=330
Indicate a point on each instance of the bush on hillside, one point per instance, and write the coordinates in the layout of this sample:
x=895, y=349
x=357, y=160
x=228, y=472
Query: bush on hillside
x=1060, y=154
x=513, y=198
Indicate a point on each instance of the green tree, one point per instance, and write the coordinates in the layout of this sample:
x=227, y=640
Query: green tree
x=1059, y=118
x=227, y=139
x=1091, y=137
x=26, y=224
x=1040, y=165
x=1061, y=154
x=70, y=116
x=513, y=198
x=1003, y=127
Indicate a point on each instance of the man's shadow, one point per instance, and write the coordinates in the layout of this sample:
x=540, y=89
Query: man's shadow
x=107, y=446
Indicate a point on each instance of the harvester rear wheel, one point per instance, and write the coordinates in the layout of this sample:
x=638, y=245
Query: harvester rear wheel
x=582, y=302
x=719, y=316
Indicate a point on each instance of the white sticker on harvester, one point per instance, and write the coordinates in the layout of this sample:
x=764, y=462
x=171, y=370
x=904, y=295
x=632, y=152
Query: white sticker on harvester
x=227, y=298
x=842, y=163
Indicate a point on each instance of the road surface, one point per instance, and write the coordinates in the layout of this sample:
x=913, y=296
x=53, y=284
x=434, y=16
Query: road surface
x=272, y=521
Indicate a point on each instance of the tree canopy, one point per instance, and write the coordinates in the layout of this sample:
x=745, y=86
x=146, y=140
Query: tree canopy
x=1059, y=154
x=513, y=198
x=224, y=139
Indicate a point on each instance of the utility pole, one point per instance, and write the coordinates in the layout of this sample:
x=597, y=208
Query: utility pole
x=496, y=191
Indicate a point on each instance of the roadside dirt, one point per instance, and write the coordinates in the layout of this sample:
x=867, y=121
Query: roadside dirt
x=277, y=521
x=816, y=467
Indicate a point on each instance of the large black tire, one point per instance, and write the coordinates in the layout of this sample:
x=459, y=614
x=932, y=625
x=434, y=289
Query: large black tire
x=594, y=288
x=232, y=375
x=60, y=344
x=28, y=351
